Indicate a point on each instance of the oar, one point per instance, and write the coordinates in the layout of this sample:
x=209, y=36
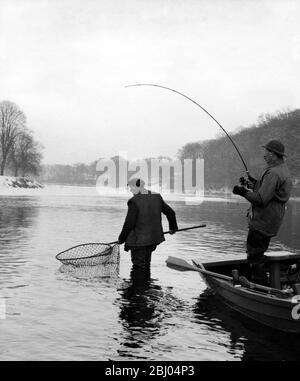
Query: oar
x=182, y=265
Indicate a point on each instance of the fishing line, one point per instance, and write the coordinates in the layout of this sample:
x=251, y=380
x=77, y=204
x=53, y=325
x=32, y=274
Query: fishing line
x=202, y=108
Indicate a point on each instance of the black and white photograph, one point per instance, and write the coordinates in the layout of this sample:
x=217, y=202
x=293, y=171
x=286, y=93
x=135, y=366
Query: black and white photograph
x=149, y=183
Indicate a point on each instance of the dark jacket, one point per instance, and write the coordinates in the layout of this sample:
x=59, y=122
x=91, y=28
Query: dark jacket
x=269, y=198
x=143, y=225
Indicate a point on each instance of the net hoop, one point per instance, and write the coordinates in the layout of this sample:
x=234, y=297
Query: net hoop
x=89, y=254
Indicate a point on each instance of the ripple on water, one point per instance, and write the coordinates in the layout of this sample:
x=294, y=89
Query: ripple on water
x=60, y=313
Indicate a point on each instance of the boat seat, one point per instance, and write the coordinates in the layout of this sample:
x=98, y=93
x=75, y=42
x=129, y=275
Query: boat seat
x=274, y=258
x=278, y=255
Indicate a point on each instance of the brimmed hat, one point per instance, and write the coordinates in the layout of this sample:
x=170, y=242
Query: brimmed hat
x=275, y=146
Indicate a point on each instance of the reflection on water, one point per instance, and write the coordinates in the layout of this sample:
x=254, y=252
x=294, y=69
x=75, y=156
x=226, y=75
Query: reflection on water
x=139, y=312
x=59, y=312
x=92, y=272
x=248, y=340
x=15, y=219
x=144, y=309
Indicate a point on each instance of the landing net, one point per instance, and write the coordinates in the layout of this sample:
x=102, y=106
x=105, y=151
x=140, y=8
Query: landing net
x=90, y=254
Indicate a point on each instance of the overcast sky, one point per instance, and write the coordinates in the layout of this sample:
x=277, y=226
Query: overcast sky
x=66, y=64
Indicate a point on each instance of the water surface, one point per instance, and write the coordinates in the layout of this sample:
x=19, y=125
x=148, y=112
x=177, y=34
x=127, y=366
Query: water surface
x=96, y=314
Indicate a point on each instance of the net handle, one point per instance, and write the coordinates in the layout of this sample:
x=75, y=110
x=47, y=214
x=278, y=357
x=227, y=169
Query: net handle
x=169, y=232
x=117, y=242
x=181, y=230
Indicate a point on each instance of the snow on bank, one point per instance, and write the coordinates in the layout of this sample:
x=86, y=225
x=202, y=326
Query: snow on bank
x=9, y=188
x=18, y=182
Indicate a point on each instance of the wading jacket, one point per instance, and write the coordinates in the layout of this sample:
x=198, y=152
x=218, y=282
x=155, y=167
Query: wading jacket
x=143, y=224
x=268, y=199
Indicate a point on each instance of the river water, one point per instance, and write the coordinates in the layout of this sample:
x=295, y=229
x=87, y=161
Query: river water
x=53, y=313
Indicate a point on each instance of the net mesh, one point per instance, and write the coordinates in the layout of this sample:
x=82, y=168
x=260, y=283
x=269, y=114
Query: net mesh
x=90, y=254
x=109, y=270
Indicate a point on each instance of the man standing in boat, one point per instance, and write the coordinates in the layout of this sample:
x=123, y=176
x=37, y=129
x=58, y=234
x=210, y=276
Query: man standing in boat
x=142, y=230
x=268, y=197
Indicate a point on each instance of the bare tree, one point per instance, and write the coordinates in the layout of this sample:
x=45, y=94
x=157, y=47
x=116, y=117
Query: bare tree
x=25, y=155
x=12, y=121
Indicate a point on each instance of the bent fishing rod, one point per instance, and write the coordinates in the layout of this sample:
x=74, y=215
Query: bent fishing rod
x=202, y=108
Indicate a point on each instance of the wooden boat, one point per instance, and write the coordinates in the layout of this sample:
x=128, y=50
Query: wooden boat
x=276, y=305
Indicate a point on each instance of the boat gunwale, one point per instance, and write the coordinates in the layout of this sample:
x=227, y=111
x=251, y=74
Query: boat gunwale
x=251, y=293
x=244, y=261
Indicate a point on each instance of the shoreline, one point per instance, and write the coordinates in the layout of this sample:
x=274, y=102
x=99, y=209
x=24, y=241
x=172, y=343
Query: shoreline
x=33, y=188
x=19, y=182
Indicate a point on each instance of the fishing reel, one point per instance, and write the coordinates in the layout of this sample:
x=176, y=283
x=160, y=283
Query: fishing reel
x=243, y=181
x=248, y=183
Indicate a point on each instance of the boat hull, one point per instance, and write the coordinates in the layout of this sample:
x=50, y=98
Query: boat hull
x=278, y=313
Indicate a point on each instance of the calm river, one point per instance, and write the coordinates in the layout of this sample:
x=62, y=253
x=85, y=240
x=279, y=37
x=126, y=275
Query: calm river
x=54, y=314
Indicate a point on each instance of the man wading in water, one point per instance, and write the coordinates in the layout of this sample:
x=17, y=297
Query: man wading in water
x=142, y=230
x=268, y=197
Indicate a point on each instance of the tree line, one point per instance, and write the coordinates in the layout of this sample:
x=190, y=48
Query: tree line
x=20, y=153
x=222, y=165
x=76, y=174
x=85, y=174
